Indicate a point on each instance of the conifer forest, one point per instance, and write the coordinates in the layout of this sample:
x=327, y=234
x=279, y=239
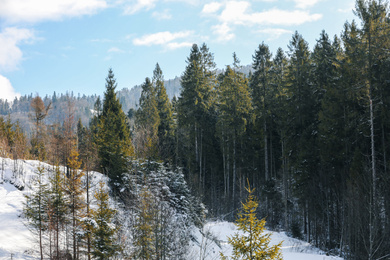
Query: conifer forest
x=309, y=129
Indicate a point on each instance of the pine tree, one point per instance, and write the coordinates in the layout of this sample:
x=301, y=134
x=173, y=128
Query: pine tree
x=303, y=108
x=331, y=135
x=104, y=245
x=262, y=99
x=166, y=126
x=252, y=244
x=197, y=116
x=144, y=234
x=58, y=207
x=113, y=136
x=235, y=113
x=35, y=208
x=148, y=121
x=280, y=127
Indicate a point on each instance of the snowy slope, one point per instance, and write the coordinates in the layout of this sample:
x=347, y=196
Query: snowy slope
x=17, y=241
x=292, y=249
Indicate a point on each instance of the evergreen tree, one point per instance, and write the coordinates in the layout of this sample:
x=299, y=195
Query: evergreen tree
x=104, y=245
x=279, y=124
x=235, y=113
x=331, y=133
x=166, y=126
x=144, y=233
x=58, y=207
x=148, y=121
x=196, y=117
x=113, y=136
x=304, y=104
x=261, y=94
x=266, y=86
x=35, y=208
x=252, y=243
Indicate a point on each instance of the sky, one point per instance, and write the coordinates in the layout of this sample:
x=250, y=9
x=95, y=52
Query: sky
x=67, y=46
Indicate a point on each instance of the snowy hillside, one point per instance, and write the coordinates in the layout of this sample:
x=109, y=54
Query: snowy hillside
x=17, y=242
x=293, y=249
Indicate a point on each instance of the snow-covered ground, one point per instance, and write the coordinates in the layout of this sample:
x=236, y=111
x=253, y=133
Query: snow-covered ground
x=292, y=249
x=17, y=242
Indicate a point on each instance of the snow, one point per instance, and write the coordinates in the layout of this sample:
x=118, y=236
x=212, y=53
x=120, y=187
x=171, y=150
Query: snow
x=15, y=238
x=292, y=249
x=17, y=242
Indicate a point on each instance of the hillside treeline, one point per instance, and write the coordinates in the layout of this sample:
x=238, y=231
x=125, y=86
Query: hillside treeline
x=309, y=129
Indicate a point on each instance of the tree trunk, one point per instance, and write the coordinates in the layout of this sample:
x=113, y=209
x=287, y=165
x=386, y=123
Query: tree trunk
x=266, y=167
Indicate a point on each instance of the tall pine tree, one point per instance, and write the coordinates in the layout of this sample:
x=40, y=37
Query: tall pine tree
x=113, y=136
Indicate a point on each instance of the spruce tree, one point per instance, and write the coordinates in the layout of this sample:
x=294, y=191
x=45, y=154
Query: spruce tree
x=104, y=245
x=113, y=136
x=260, y=85
x=197, y=116
x=147, y=121
x=331, y=134
x=145, y=226
x=166, y=126
x=252, y=244
x=57, y=206
x=235, y=113
x=35, y=208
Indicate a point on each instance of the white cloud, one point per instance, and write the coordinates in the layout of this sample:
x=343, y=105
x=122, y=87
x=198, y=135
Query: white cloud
x=7, y=91
x=224, y=32
x=303, y=4
x=238, y=13
x=177, y=45
x=10, y=54
x=231, y=14
x=15, y=11
x=138, y=5
x=163, y=15
x=166, y=39
x=211, y=8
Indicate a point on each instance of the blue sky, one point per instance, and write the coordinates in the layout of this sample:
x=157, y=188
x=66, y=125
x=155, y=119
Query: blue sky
x=69, y=45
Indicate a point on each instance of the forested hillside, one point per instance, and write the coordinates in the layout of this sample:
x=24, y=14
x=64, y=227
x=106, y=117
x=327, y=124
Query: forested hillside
x=19, y=109
x=309, y=129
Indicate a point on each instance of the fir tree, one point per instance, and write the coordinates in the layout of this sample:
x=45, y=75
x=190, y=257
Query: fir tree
x=262, y=99
x=104, y=245
x=166, y=126
x=144, y=234
x=235, y=113
x=253, y=244
x=58, y=206
x=147, y=120
x=113, y=136
x=35, y=208
x=196, y=115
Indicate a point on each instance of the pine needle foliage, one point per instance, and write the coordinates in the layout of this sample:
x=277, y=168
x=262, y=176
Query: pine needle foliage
x=104, y=245
x=252, y=243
